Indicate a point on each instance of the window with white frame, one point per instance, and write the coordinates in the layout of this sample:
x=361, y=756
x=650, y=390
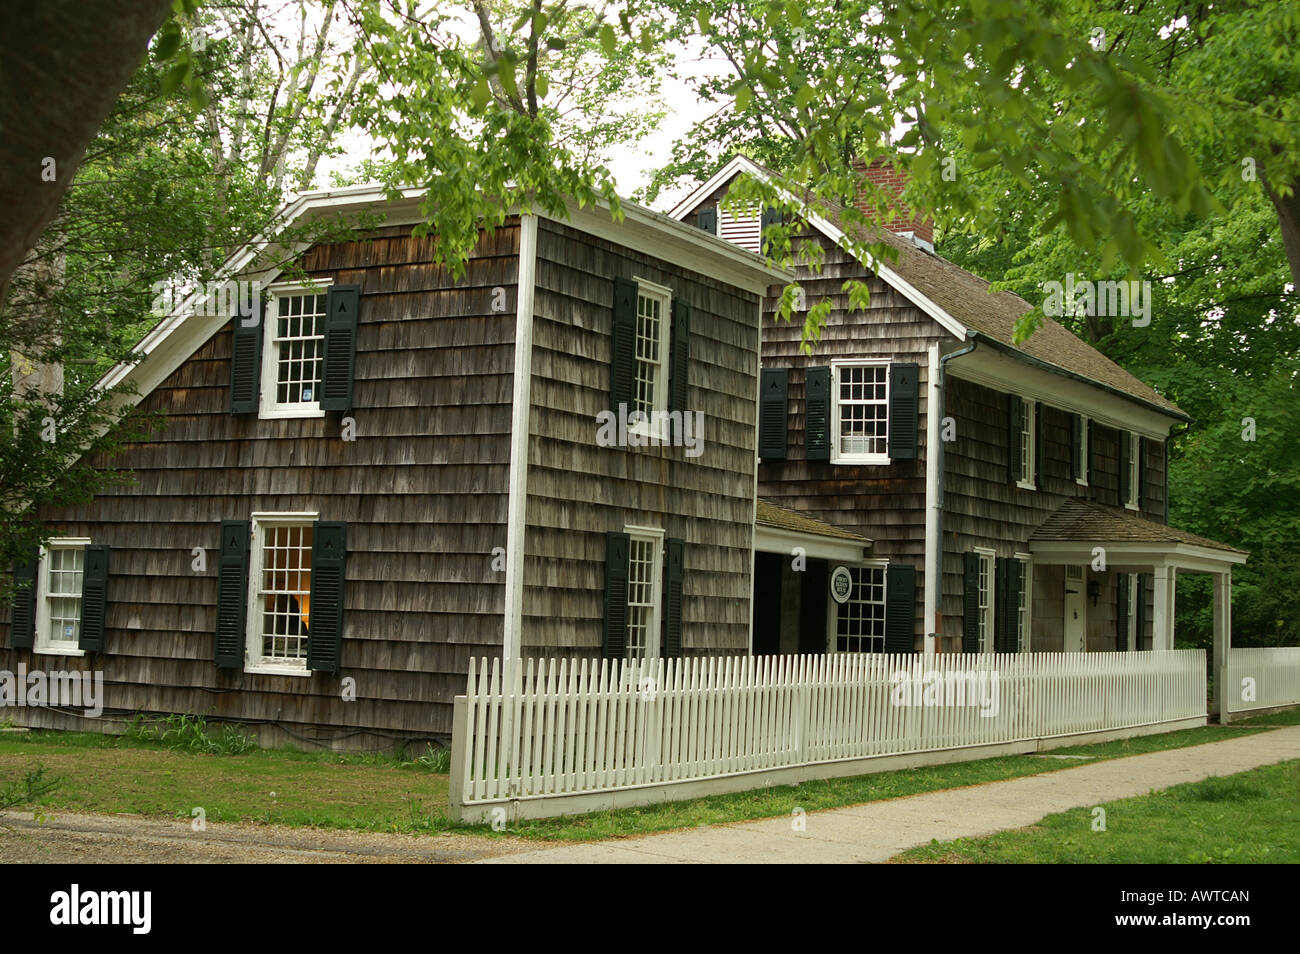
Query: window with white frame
x=644, y=596
x=861, y=398
x=1081, y=462
x=1027, y=433
x=1133, y=634
x=1024, y=609
x=1134, y=468
x=59, y=589
x=279, y=606
x=653, y=320
x=988, y=561
x=293, y=352
x=860, y=621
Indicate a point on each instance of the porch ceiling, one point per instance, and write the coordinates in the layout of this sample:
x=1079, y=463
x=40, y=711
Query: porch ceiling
x=1078, y=526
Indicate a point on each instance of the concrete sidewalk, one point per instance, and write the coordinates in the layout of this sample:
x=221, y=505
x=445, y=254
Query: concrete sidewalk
x=879, y=830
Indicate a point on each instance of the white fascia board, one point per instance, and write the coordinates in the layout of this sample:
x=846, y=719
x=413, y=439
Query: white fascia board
x=780, y=540
x=710, y=185
x=1184, y=556
x=681, y=244
x=1003, y=372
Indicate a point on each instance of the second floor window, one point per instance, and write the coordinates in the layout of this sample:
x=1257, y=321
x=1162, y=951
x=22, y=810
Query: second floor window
x=650, y=388
x=861, y=394
x=293, y=353
x=1027, y=449
x=1134, y=468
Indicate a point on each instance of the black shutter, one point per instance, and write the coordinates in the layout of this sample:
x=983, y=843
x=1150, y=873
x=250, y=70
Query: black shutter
x=1040, y=439
x=773, y=413
x=679, y=379
x=1076, y=444
x=94, y=598
x=245, y=362
x=707, y=219
x=614, y=642
x=341, y=311
x=769, y=217
x=1092, y=455
x=1121, y=611
x=1140, y=611
x=232, y=595
x=329, y=555
x=900, y=608
x=970, y=633
x=817, y=407
x=1142, y=473
x=622, y=344
x=22, y=626
x=674, y=573
x=1014, y=407
x=904, y=410
x=1125, y=456
x=1000, y=607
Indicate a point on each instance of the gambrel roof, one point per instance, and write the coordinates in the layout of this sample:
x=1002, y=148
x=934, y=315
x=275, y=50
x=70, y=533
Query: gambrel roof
x=957, y=299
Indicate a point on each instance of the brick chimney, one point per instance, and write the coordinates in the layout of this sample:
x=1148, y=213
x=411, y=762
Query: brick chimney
x=882, y=173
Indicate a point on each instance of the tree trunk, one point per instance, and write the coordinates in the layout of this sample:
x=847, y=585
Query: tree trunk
x=1288, y=217
x=64, y=64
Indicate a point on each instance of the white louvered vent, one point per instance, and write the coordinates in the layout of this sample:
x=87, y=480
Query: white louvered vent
x=743, y=228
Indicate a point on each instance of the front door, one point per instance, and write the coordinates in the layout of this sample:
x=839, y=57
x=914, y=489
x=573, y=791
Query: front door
x=1076, y=610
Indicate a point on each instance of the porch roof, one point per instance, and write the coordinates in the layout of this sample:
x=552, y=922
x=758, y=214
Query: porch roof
x=1079, y=525
x=777, y=529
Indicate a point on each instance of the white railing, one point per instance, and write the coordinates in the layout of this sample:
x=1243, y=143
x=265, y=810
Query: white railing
x=537, y=730
x=1262, y=678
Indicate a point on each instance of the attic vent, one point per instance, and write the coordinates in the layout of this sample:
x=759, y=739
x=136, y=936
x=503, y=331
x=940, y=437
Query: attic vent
x=742, y=228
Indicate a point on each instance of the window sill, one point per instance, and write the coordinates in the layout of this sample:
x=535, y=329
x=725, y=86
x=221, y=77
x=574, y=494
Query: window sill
x=1082, y=482
x=48, y=651
x=869, y=460
x=1026, y=485
x=1132, y=506
x=287, y=413
x=276, y=671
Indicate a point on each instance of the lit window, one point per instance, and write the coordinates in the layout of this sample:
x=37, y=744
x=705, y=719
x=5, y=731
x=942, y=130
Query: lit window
x=643, y=593
x=861, y=413
x=280, y=605
x=293, y=354
x=860, y=622
x=58, y=608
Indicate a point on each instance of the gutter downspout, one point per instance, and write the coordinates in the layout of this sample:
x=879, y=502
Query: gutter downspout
x=934, y=489
x=516, y=507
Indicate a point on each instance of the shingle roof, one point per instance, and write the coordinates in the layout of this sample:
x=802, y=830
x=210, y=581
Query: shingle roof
x=1082, y=521
x=965, y=296
x=770, y=515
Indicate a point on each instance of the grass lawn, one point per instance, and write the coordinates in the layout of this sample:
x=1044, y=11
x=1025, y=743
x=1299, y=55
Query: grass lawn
x=1252, y=817
x=376, y=793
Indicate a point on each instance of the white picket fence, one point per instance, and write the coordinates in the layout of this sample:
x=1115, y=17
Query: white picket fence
x=544, y=737
x=1273, y=674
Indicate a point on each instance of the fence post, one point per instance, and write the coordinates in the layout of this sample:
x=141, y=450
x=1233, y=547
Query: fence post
x=459, y=758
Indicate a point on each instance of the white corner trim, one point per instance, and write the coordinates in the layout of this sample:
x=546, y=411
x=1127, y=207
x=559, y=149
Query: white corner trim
x=516, y=508
x=932, y=510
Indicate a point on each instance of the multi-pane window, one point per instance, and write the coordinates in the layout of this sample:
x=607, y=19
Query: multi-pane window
x=862, y=412
x=651, y=382
x=295, y=350
x=643, y=595
x=860, y=621
x=1027, y=410
x=1023, y=619
x=59, y=608
x=1134, y=467
x=1081, y=439
x=986, y=606
x=280, y=614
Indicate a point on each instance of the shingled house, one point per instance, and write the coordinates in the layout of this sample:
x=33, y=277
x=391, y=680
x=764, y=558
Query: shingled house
x=389, y=470
x=1013, y=494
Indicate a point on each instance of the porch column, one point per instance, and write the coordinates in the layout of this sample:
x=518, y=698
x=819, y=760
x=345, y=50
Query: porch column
x=1222, y=643
x=1162, y=608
